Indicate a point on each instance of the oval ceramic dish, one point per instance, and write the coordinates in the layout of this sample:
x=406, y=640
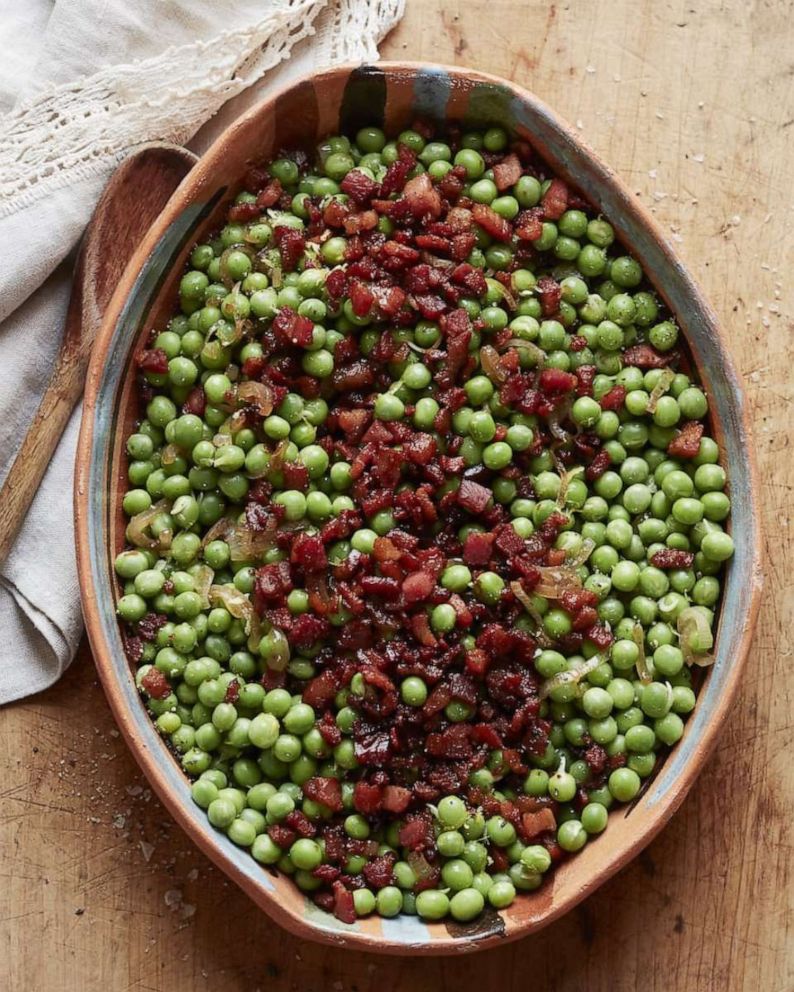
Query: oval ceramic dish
x=344, y=99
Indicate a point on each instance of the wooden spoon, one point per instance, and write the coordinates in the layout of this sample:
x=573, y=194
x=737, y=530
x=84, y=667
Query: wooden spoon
x=137, y=192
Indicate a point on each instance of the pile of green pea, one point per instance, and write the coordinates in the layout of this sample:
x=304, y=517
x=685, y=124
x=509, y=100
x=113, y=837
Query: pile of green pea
x=252, y=752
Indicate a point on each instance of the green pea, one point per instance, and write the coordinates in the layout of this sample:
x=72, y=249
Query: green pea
x=432, y=904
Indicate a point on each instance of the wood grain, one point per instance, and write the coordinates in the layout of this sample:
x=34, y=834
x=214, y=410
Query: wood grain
x=693, y=104
x=135, y=195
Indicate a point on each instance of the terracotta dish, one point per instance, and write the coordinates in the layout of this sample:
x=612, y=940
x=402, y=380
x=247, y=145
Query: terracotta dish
x=344, y=99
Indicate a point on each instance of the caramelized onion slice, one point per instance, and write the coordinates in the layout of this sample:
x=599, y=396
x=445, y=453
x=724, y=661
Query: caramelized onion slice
x=530, y=347
x=245, y=544
x=258, y=395
x=136, y=528
x=492, y=366
x=556, y=417
x=202, y=581
x=573, y=675
x=642, y=666
x=581, y=556
x=565, y=483
x=695, y=637
x=661, y=387
x=556, y=580
x=232, y=600
x=526, y=601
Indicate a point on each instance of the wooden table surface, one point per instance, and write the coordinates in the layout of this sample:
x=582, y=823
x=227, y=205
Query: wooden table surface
x=692, y=101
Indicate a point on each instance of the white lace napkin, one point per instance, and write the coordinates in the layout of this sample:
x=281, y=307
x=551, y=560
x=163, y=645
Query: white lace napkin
x=82, y=81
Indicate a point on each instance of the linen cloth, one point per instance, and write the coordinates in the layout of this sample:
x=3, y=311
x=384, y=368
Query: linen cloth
x=81, y=83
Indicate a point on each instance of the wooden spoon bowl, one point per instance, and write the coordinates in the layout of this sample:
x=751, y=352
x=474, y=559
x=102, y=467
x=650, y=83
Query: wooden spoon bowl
x=137, y=192
x=345, y=98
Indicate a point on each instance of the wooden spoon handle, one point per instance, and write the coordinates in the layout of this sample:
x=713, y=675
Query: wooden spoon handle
x=37, y=449
x=136, y=193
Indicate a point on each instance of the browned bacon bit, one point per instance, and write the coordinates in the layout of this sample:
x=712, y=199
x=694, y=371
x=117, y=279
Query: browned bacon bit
x=271, y=584
x=361, y=298
x=344, y=907
x=458, y=220
x=322, y=689
x=397, y=172
x=331, y=733
x=270, y=195
x=336, y=213
x=555, y=200
x=534, y=824
x=394, y=257
x=600, y=635
x=473, y=497
x=586, y=376
x=491, y=222
x=686, y=443
x=366, y=220
x=327, y=873
x=672, y=558
x=232, y=692
x=133, y=646
x=379, y=872
x=452, y=183
x=244, y=211
x=596, y=758
x=152, y=360
x=529, y=224
x=578, y=342
x=422, y=197
x=296, y=476
x=292, y=328
x=281, y=835
x=353, y=377
x=477, y=548
x=420, y=628
x=325, y=900
x=396, y=799
x=388, y=300
x=598, y=466
x=645, y=356
x=156, y=684
x=300, y=823
x=367, y=798
x=507, y=172
x=614, y=399
x=336, y=283
x=291, y=244
x=326, y=791
x=359, y=187
x=557, y=381
x=550, y=293
x=256, y=177
x=433, y=243
x=308, y=552
x=149, y=625
x=452, y=743
x=417, y=833
x=417, y=587
x=196, y=402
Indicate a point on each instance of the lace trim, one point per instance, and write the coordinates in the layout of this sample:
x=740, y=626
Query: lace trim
x=73, y=131
x=357, y=28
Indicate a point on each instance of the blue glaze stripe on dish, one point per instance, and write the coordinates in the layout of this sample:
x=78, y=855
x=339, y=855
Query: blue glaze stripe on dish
x=432, y=88
x=407, y=929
